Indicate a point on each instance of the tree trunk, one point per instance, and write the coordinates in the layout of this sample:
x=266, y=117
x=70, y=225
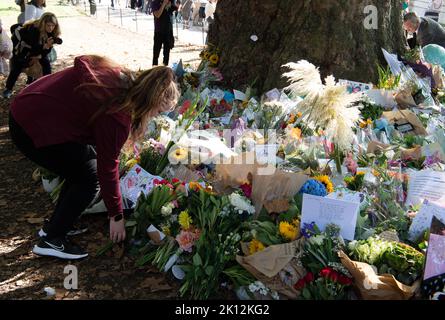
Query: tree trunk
x=328, y=33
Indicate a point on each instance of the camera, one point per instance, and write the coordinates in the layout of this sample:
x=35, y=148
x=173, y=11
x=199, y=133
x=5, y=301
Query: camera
x=57, y=40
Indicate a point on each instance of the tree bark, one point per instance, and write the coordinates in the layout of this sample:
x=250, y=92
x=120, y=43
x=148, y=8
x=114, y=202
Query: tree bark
x=328, y=33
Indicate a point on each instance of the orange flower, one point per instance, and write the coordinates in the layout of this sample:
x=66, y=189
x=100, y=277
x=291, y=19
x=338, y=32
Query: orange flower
x=195, y=186
x=295, y=133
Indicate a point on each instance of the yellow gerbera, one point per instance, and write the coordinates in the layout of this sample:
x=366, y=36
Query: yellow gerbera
x=130, y=163
x=255, y=246
x=327, y=183
x=214, y=59
x=185, y=220
x=288, y=231
x=179, y=155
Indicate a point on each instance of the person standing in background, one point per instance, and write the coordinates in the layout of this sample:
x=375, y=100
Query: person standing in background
x=163, y=36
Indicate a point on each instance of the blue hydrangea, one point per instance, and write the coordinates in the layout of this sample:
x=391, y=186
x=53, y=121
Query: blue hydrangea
x=314, y=187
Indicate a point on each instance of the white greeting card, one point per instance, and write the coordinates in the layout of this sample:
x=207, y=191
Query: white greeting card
x=422, y=220
x=425, y=184
x=354, y=87
x=239, y=95
x=324, y=211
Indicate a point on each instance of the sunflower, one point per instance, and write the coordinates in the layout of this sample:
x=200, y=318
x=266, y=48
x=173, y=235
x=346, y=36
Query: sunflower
x=288, y=231
x=185, y=220
x=206, y=55
x=179, y=155
x=214, y=59
x=255, y=246
x=327, y=183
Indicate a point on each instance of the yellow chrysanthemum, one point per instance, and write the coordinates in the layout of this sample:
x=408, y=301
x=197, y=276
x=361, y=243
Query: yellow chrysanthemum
x=255, y=246
x=288, y=231
x=166, y=230
x=185, y=220
x=327, y=183
x=360, y=173
x=214, y=59
x=130, y=163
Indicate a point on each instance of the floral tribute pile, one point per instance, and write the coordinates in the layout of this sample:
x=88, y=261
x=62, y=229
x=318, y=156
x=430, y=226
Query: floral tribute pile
x=209, y=223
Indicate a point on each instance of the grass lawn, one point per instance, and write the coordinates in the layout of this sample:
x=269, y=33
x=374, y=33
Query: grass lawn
x=9, y=9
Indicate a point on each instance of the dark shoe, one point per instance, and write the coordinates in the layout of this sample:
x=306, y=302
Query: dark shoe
x=59, y=248
x=78, y=228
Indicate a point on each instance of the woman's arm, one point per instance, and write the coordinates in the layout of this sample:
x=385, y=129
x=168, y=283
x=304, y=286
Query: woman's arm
x=30, y=12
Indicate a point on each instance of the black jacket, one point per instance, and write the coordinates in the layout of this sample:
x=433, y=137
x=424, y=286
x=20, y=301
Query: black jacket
x=29, y=44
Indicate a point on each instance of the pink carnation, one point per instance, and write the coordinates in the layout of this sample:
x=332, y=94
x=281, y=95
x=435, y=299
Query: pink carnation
x=187, y=239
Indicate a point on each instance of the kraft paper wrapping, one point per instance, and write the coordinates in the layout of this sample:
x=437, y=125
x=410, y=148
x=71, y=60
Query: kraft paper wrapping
x=377, y=287
x=278, y=185
x=405, y=100
x=266, y=266
x=403, y=116
x=374, y=146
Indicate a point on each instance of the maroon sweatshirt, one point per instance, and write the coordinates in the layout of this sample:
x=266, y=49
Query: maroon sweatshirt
x=51, y=112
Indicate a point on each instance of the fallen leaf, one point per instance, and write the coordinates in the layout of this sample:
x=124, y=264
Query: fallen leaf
x=35, y=220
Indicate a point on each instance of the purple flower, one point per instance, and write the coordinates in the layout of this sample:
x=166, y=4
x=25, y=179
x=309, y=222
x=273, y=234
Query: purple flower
x=432, y=160
x=309, y=230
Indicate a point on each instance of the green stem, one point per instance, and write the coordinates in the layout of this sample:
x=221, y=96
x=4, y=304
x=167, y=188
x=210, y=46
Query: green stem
x=338, y=159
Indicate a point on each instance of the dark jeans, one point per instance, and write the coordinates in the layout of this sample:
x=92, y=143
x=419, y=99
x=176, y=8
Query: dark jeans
x=162, y=40
x=17, y=66
x=74, y=162
x=92, y=7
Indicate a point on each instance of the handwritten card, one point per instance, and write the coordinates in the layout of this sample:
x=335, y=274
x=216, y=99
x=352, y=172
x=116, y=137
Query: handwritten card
x=324, y=211
x=422, y=220
x=425, y=184
x=349, y=195
x=137, y=180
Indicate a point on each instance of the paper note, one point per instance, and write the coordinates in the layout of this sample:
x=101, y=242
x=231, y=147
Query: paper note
x=348, y=195
x=324, y=211
x=137, y=180
x=273, y=95
x=422, y=220
x=239, y=95
x=426, y=184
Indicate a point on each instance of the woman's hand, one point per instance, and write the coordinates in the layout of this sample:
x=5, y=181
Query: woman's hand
x=117, y=230
x=49, y=43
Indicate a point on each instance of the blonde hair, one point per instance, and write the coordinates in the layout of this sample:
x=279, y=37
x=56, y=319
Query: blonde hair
x=41, y=25
x=142, y=96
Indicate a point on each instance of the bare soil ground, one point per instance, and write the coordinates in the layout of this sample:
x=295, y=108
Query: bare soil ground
x=24, y=204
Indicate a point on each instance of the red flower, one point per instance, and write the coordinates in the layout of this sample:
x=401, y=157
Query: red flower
x=213, y=102
x=346, y=281
x=300, y=284
x=156, y=182
x=207, y=126
x=283, y=125
x=325, y=272
x=175, y=180
x=185, y=106
x=309, y=277
x=247, y=189
x=334, y=276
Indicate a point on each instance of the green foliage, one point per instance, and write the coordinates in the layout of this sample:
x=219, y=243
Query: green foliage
x=371, y=111
x=149, y=158
x=386, y=79
x=402, y=261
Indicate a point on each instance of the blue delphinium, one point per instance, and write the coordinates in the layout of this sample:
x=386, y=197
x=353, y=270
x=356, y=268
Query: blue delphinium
x=309, y=230
x=314, y=187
